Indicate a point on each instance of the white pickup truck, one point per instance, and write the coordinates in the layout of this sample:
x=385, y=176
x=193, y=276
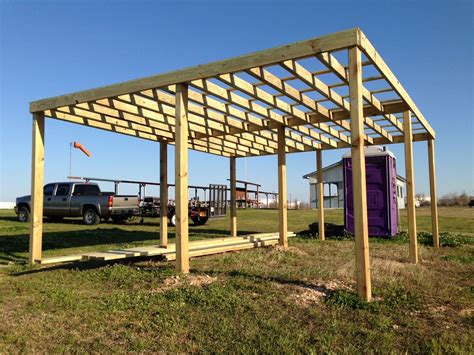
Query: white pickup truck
x=78, y=199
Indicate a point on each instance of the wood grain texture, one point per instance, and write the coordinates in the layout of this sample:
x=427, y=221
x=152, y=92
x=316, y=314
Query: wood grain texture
x=361, y=230
x=433, y=195
x=320, y=192
x=410, y=186
x=181, y=179
x=37, y=182
x=163, y=194
x=282, y=204
x=233, y=201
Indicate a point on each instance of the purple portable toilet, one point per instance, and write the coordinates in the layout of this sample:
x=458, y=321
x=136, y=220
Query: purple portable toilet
x=381, y=179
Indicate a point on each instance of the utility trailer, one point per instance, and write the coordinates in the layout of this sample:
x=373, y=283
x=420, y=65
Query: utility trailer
x=214, y=204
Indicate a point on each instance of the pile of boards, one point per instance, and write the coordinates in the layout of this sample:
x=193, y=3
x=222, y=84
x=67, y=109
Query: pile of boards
x=196, y=248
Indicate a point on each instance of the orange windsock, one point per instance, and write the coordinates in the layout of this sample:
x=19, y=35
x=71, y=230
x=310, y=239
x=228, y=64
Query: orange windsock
x=81, y=147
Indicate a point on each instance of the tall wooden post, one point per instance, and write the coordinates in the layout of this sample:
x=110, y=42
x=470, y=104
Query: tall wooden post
x=181, y=179
x=410, y=177
x=257, y=195
x=320, y=192
x=433, y=196
x=245, y=188
x=282, y=205
x=233, y=202
x=37, y=182
x=163, y=194
x=364, y=287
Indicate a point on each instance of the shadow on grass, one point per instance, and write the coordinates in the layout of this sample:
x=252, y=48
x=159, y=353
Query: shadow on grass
x=71, y=239
x=90, y=237
x=87, y=265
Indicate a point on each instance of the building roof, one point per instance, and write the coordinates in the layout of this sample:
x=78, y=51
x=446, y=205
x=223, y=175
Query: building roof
x=236, y=106
x=339, y=164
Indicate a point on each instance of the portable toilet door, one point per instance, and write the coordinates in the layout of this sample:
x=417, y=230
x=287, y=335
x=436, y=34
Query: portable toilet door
x=382, y=212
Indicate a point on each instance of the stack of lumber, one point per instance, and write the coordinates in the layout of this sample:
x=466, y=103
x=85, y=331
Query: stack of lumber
x=196, y=248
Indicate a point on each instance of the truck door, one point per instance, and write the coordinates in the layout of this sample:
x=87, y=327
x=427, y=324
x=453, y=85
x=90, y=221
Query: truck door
x=60, y=201
x=48, y=195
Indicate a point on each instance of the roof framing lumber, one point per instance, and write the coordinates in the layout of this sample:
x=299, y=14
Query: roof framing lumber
x=296, y=50
x=380, y=64
x=236, y=106
x=333, y=64
x=295, y=116
x=305, y=76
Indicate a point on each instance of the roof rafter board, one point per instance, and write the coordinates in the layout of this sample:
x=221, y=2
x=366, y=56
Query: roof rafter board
x=295, y=116
x=301, y=49
x=240, y=147
x=273, y=119
x=333, y=64
x=217, y=122
x=306, y=77
x=383, y=68
x=252, y=123
x=197, y=123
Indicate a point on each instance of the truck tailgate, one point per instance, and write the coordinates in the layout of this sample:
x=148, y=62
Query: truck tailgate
x=123, y=201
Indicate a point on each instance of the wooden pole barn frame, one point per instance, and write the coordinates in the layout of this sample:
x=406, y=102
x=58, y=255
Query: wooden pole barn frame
x=328, y=92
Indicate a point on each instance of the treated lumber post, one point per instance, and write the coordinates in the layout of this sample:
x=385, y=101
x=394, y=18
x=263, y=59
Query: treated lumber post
x=410, y=178
x=282, y=213
x=181, y=179
x=361, y=230
x=233, y=206
x=320, y=191
x=433, y=196
x=245, y=205
x=258, y=196
x=37, y=182
x=163, y=194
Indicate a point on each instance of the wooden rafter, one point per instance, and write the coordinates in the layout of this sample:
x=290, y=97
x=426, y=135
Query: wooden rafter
x=231, y=116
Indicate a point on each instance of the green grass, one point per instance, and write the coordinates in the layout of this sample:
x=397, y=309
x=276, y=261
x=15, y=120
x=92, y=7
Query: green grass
x=263, y=300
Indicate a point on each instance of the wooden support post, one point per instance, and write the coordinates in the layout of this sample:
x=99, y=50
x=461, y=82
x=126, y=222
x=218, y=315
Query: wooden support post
x=320, y=192
x=433, y=196
x=181, y=179
x=245, y=188
x=364, y=287
x=257, y=194
x=163, y=194
x=410, y=181
x=283, y=241
x=37, y=182
x=233, y=202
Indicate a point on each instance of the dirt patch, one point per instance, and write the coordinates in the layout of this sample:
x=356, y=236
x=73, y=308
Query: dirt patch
x=186, y=280
x=313, y=292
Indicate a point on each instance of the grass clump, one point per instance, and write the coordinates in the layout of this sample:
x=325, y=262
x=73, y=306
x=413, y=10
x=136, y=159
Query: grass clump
x=446, y=239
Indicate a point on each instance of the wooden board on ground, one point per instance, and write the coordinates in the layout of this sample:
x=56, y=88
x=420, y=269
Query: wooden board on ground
x=196, y=248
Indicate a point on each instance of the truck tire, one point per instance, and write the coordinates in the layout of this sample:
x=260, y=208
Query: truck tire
x=90, y=217
x=23, y=214
x=199, y=221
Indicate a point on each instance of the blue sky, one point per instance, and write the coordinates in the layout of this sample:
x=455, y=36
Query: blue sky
x=50, y=48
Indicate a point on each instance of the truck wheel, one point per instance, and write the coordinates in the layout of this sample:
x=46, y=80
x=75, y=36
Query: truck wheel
x=199, y=221
x=90, y=217
x=23, y=214
x=172, y=220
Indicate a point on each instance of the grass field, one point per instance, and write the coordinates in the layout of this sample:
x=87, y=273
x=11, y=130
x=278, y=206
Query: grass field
x=262, y=300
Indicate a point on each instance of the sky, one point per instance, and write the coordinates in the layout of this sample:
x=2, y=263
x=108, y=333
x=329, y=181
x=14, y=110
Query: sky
x=50, y=48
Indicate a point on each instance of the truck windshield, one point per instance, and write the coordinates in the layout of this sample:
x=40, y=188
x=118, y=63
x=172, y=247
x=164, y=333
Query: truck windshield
x=86, y=189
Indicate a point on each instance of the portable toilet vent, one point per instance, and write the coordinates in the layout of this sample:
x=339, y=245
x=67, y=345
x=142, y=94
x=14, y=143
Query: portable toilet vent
x=381, y=179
